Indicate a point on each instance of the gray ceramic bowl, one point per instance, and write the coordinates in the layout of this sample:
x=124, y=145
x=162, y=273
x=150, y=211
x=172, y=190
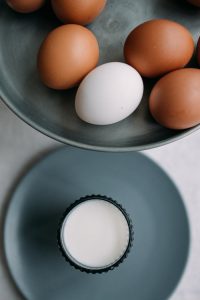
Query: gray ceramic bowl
x=52, y=112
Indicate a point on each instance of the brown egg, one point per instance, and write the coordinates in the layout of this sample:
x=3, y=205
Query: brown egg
x=78, y=11
x=175, y=99
x=67, y=55
x=194, y=2
x=158, y=46
x=25, y=6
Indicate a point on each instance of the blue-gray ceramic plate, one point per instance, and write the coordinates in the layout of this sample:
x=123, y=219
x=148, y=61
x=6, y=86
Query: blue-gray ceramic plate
x=161, y=232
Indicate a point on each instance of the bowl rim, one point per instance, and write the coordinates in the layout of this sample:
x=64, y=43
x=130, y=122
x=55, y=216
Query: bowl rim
x=86, y=146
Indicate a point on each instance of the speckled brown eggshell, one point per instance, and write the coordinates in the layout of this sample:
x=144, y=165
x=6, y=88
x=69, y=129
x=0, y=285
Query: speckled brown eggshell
x=78, y=11
x=175, y=99
x=67, y=55
x=194, y=2
x=25, y=6
x=158, y=46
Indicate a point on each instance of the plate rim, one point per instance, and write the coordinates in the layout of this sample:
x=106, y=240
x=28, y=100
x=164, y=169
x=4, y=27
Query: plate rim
x=19, y=182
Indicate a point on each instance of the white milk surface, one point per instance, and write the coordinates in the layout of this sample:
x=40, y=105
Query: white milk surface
x=95, y=234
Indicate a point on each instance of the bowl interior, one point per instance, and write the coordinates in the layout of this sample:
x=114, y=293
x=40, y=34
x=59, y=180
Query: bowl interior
x=52, y=112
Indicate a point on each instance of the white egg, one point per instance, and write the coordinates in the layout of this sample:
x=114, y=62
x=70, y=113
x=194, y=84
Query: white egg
x=109, y=94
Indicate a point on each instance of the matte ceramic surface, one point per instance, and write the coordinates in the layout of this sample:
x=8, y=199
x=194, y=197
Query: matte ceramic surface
x=161, y=241
x=53, y=112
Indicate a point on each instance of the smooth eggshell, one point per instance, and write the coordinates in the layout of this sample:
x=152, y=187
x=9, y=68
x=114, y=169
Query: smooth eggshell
x=175, y=99
x=158, y=46
x=109, y=94
x=67, y=55
x=25, y=6
x=194, y=2
x=78, y=11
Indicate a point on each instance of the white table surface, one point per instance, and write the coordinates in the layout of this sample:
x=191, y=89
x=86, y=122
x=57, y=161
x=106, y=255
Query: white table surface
x=20, y=145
